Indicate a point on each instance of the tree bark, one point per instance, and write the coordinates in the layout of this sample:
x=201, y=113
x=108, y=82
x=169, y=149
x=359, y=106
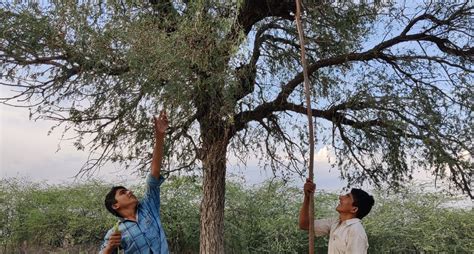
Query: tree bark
x=212, y=205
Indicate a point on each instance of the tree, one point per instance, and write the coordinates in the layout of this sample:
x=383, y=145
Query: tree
x=392, y=85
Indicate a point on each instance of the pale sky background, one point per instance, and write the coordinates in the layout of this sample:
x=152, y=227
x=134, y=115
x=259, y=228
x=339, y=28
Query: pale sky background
x=27, y=151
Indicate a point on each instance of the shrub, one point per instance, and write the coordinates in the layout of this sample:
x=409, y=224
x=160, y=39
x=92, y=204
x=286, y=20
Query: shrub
x=258, y=219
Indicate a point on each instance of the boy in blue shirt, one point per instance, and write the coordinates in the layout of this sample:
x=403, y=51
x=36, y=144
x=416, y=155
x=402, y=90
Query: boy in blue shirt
x=140, y=229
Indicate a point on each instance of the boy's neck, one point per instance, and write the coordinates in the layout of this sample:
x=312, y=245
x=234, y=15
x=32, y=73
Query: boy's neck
x=129, y=214
x=346, y=216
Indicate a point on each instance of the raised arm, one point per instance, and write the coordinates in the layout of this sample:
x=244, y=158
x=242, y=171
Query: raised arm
x=161, y=124
x=304, y=212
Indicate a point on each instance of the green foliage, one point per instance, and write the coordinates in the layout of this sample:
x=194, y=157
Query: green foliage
x=379, y=76
x=124, y=64
x=180, y=198
x=49, y=215
x=418, y=220
x=260, y=219
x=264, y=219
x=393, y=84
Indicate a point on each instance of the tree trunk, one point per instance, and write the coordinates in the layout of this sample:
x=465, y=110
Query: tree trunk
x=212, y=204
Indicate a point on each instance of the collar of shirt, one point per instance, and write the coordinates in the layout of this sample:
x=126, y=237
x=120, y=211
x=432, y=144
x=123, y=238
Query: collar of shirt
x=350, y=221
x=122, y=220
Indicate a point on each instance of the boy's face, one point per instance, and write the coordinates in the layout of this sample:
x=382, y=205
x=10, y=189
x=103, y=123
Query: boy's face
x=125, y=199
x=345, y=204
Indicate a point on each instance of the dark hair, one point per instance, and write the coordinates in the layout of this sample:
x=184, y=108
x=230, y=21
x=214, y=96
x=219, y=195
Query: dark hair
x=363, y=201
x=110, y=200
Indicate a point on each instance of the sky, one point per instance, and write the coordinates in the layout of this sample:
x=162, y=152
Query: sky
x=27, y=151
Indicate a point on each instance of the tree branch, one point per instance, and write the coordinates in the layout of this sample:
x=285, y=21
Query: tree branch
x=253, y=11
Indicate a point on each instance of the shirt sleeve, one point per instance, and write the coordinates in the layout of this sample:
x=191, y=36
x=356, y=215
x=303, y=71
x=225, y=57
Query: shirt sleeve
x=152, y=193
x=357, y=243
x=323, y=226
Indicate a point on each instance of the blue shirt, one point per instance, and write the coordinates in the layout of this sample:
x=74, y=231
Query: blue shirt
x=146, y=235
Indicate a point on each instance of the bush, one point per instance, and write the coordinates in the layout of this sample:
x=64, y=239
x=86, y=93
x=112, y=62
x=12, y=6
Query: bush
x=416, y=221
x=180, y=199
x=264, y=219
x=261, y=219
x=52, y=216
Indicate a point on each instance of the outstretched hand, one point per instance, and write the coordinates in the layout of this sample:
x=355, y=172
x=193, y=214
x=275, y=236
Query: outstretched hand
x=161, y=122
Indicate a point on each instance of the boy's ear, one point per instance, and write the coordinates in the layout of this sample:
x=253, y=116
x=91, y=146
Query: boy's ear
x=115, y=206
x=355, y=209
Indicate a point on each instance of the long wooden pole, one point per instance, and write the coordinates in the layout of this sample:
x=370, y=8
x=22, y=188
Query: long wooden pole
x=310, y=123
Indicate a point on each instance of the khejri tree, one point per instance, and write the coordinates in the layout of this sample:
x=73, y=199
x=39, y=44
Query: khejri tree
x=391, y=82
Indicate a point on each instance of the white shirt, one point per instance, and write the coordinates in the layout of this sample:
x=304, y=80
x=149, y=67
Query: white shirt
x=348, y=237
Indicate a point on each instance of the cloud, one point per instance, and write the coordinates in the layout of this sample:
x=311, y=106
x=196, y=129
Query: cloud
x=28, y=151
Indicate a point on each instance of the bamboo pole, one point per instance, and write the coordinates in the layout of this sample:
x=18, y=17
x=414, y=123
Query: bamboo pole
x=310, y=124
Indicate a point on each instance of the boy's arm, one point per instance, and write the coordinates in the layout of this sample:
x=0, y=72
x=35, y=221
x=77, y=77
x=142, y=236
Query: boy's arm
x=321, y=227
x=161, y=124
x=304, y=212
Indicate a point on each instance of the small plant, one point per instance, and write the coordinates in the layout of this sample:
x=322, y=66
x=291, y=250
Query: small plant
x=116, y=230
x=116, y=227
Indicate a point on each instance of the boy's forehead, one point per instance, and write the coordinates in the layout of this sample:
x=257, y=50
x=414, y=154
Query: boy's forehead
x=350, y=195
x=119, y=190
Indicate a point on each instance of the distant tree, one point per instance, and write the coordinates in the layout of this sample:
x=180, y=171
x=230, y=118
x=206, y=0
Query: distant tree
x=392, y=85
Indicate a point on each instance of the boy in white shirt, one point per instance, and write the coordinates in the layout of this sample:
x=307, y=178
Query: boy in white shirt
x=346, y=233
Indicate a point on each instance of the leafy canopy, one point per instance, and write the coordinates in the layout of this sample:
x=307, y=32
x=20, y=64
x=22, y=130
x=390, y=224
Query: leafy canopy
x=392, y=84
